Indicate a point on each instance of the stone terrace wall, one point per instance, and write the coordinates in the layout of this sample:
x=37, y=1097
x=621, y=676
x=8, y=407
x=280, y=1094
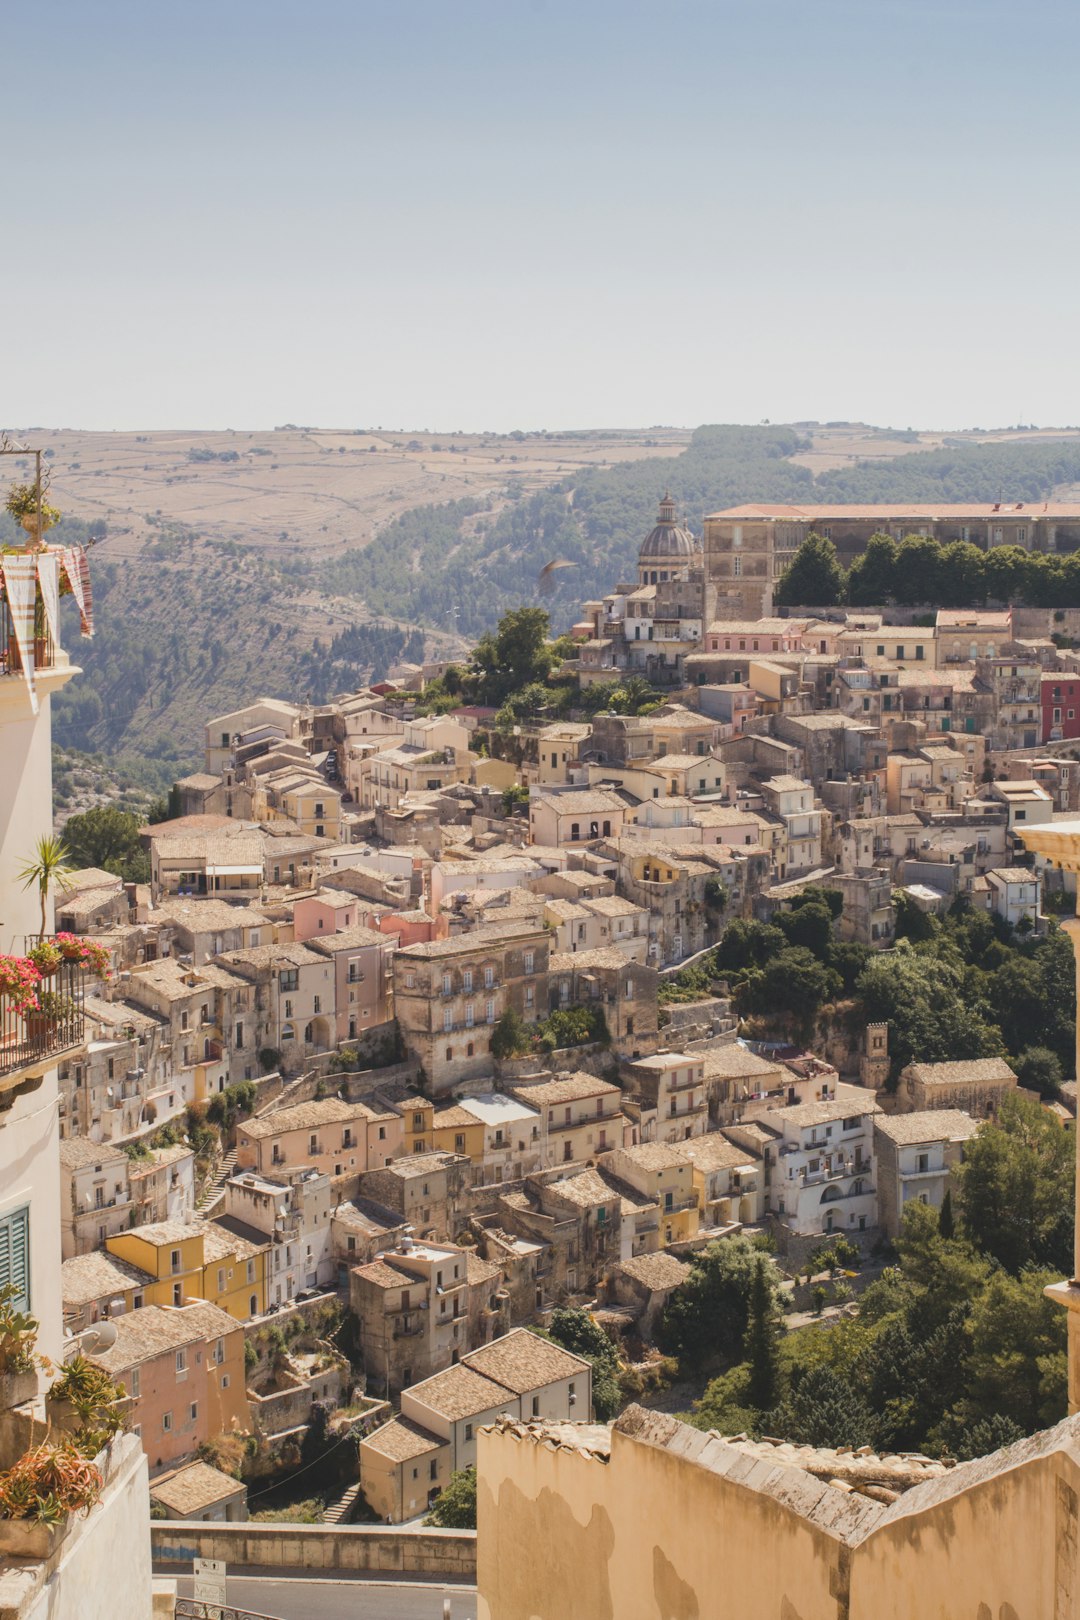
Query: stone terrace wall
x=349, y=1549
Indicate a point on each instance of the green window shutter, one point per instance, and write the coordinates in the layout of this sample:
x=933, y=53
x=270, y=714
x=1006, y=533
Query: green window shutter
x=15, y=1256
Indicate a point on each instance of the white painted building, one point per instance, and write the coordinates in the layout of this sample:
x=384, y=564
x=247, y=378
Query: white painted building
x=821, y=1173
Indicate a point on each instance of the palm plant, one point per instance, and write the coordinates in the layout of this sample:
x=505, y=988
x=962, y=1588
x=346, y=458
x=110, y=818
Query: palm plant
x=51, y=864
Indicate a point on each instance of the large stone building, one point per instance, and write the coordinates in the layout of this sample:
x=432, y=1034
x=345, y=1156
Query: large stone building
x=747, y=548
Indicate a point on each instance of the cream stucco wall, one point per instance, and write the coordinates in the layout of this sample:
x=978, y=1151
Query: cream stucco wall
x=676, y=1524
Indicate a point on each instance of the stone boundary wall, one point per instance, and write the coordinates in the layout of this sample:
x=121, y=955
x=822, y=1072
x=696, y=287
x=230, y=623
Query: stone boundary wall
x=448, y=1555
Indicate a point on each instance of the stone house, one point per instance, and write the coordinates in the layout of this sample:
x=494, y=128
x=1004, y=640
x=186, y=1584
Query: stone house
x=916, y=1154
x=406, y=1463
x=580, y=1115
x=626, y=991
x=665, y=1176
x=729, y=1181
x=428, y=1190
x=670, y=1089
x=976, y=1087
x=450, y=993
x=95, y=1195
x=413, y=1311
x=339, y=1138
x=184, y=1370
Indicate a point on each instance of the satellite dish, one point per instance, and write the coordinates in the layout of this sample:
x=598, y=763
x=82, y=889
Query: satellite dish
x=104, y=1337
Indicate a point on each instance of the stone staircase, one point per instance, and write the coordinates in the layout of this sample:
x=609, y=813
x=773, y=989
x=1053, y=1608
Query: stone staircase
x=338, y=1512
x=214, y=1191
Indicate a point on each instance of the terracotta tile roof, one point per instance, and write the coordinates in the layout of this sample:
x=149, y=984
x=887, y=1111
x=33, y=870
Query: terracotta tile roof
x=657, y=1272
x=301, y=1116
x=401, y=1440
x=569, y=1088
x=156, y=1329
x=193, y=1488
x=87, y=1277
x=927, y=1125
x=460, y=1392
x=523, y=1361
x=979, y=1071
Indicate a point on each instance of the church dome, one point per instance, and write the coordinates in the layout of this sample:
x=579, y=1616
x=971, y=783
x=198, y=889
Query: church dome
x=668, y=540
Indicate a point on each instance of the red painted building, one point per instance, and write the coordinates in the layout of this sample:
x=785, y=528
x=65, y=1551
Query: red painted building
x=1060, y=707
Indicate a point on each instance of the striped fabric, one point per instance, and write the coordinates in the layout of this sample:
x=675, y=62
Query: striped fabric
x=20, y=587
x=86, y=617
x=77, y=570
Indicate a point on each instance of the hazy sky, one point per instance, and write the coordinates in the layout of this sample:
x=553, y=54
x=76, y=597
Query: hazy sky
x=496, y=213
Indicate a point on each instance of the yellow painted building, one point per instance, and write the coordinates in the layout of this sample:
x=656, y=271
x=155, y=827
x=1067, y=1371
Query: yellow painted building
x=454, y=1130
x=204, y=1261
x=417, y=1117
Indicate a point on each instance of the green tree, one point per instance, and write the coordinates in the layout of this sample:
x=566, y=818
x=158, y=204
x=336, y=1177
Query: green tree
x=918, y=569
x=807, y=925
x=761, y=1341
x=813, y=577
x=794, y=983
x=946, y=1219
x=108, y=838
x=822, y=1409
x=576, y=1331
x=512, y=658
x=922, y=1000
x=510, y=1036
x=705, y=1320
x=1016, y=1188
x=872, y=577
x=1039, y=1069
x=455, y=1506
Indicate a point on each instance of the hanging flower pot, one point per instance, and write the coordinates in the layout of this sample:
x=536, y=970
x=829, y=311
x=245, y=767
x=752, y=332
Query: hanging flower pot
x=19, y=980
x=46, y=956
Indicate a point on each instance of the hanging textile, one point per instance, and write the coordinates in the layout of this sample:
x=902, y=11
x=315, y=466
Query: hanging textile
x=48, y=569
x=74, y=574
x=20, y=587
x=86, y=615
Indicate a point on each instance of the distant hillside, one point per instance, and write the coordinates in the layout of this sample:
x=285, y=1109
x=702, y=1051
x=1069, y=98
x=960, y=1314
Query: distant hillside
x=428, y=562
x=193, y=619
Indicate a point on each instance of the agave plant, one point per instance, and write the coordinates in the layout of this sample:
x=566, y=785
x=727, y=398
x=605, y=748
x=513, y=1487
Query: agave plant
x=48, y=1482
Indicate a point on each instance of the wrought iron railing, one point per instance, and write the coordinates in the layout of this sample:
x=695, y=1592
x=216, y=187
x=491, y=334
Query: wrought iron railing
x=195, y=1609
x=27, y=1036
x=43, y=649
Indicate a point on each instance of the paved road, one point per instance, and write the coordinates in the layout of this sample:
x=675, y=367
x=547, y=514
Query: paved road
x=296, y=1598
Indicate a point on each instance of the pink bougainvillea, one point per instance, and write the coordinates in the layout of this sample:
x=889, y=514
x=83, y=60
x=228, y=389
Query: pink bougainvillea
x=19, y=981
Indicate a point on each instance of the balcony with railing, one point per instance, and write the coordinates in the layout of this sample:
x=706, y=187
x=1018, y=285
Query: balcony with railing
x=44, y=650
x=35, y=1033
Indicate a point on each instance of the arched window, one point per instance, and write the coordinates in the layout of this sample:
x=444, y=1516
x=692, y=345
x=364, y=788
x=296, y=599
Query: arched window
x=856, y=1187
x=830, y=1195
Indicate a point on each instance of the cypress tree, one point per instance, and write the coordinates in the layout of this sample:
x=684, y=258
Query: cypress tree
x=760, y=1345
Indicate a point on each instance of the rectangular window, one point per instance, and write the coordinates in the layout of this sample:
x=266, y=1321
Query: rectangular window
x=15, y=1256
x=181, y=1361
x=468, y=1431
x=736, y=567
x=467, y=980
x=194, y=1411
x=529, y=960
x=489, y=1012
x=489, y=977
x=133, y=1383
x=166, y=1422
x=448, y=1019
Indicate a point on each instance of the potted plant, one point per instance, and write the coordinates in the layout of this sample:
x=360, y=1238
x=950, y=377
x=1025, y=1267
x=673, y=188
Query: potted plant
x=22, y=505
x=18, y=1359
x=40, y=1495
x=46, y=956
x=86, y=1405
x=53, y=1009
x=19, y=980
x=90, y=952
